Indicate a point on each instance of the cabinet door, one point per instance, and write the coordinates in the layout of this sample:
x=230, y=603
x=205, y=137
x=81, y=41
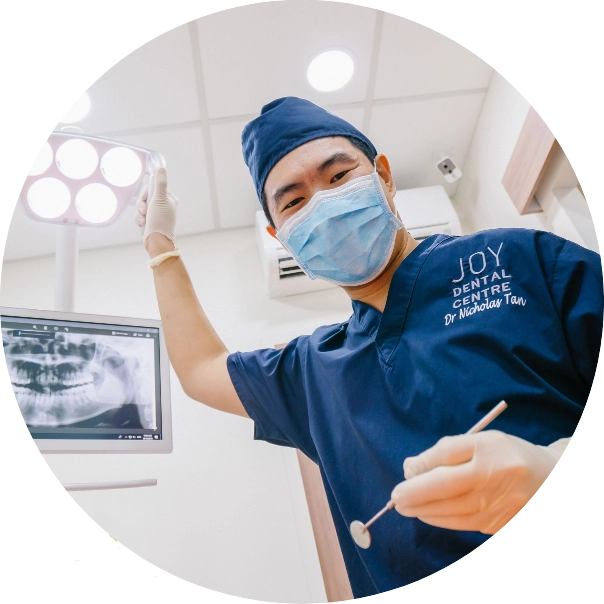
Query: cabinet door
x=335, y=577
x=528, y=163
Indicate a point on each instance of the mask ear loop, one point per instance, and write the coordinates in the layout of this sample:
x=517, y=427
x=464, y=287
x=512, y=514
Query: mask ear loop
x=395, y=213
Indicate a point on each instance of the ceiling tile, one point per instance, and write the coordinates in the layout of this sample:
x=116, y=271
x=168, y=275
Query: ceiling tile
x=413, y=134
x=416, y=60
x=255, y=54
x=154, y=85
x=353, y=115
x=237, y=201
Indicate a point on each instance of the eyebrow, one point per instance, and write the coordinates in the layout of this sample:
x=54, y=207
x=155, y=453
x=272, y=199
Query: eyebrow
x=282, y=191
x=339, y=157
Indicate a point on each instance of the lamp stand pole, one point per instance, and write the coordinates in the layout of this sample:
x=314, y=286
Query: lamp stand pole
x=66, y=268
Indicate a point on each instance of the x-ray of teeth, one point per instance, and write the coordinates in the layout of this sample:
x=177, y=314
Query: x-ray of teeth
x=78, y=380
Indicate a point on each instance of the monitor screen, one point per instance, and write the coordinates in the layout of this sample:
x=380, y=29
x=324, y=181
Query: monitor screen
x=88, y=383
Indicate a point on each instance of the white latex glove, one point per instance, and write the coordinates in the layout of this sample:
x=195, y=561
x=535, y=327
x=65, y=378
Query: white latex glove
x=159, y=215
x=474, y=482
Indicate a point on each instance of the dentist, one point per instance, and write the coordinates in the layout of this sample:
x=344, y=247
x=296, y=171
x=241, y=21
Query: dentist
x=441, y=331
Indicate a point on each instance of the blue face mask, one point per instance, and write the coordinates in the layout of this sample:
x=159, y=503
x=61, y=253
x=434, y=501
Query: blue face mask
x=344, y=235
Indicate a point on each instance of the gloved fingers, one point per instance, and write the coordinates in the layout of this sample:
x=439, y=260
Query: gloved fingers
x=161, y=182
x=557, y=448
x=162, y=209
x=441, y=483
x=173, y=199
x=487, y=523
x=469, y=503
x=141, y=212
x=144, y=193
x=467, y=522
x=448, y=451
x=496, y=520
x=141, y=207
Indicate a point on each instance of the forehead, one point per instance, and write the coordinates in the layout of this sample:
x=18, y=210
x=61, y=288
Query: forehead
x=305, y=159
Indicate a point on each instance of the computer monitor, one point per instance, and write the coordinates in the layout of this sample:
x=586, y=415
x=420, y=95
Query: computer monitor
x=89, y=383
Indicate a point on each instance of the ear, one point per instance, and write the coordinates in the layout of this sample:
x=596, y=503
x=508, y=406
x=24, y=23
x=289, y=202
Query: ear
x=383, y=169
x=271, y=231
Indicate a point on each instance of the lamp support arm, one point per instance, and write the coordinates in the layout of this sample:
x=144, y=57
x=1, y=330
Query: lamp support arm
x=66, y=266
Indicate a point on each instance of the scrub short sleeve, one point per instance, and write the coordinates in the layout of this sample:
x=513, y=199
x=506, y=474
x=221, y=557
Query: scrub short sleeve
x=576, y=289
x=270, y=385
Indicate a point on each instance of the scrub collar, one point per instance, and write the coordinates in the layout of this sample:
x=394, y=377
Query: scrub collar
x=388, y=326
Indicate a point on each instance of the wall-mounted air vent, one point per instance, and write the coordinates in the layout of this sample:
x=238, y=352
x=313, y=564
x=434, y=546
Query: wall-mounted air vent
x=289, y=268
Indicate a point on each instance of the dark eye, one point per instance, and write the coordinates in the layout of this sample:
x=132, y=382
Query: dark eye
x=293, y=203
x=339, y=176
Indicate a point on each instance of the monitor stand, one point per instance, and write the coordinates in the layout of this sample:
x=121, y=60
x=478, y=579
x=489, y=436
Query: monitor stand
x=66, y=266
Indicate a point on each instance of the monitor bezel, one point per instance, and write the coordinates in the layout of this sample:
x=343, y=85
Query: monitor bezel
x=164, y=445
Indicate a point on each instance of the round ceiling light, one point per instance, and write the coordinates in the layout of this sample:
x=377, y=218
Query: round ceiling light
x=330, y=70
x=48, y=197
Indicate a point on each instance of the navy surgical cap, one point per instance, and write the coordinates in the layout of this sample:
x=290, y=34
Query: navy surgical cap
x=282, y=126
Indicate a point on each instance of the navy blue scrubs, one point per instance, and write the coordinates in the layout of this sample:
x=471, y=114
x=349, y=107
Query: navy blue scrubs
x=508, y=314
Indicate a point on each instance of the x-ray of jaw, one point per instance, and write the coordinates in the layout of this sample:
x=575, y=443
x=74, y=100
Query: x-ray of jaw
x=79, y=380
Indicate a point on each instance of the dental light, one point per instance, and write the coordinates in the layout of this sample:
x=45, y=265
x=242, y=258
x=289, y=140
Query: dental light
x=84, y=180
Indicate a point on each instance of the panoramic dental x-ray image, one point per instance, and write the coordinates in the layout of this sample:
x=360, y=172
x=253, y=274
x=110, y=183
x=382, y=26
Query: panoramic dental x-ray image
x=75, y=380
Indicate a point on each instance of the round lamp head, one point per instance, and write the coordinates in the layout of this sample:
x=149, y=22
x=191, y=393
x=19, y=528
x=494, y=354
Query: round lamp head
x=85, y=180
x=48, y=198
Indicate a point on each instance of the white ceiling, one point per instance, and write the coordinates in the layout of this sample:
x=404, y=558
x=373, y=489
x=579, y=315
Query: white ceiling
x=189, y=92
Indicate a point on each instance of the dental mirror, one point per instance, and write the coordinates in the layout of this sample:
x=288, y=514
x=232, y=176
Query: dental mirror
x=360, y=532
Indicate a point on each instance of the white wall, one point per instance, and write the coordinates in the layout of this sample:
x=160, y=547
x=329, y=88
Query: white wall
x=228, y=513
x=481, y=200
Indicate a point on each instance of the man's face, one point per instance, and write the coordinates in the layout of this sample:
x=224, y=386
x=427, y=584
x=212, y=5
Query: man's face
x=319, y=165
